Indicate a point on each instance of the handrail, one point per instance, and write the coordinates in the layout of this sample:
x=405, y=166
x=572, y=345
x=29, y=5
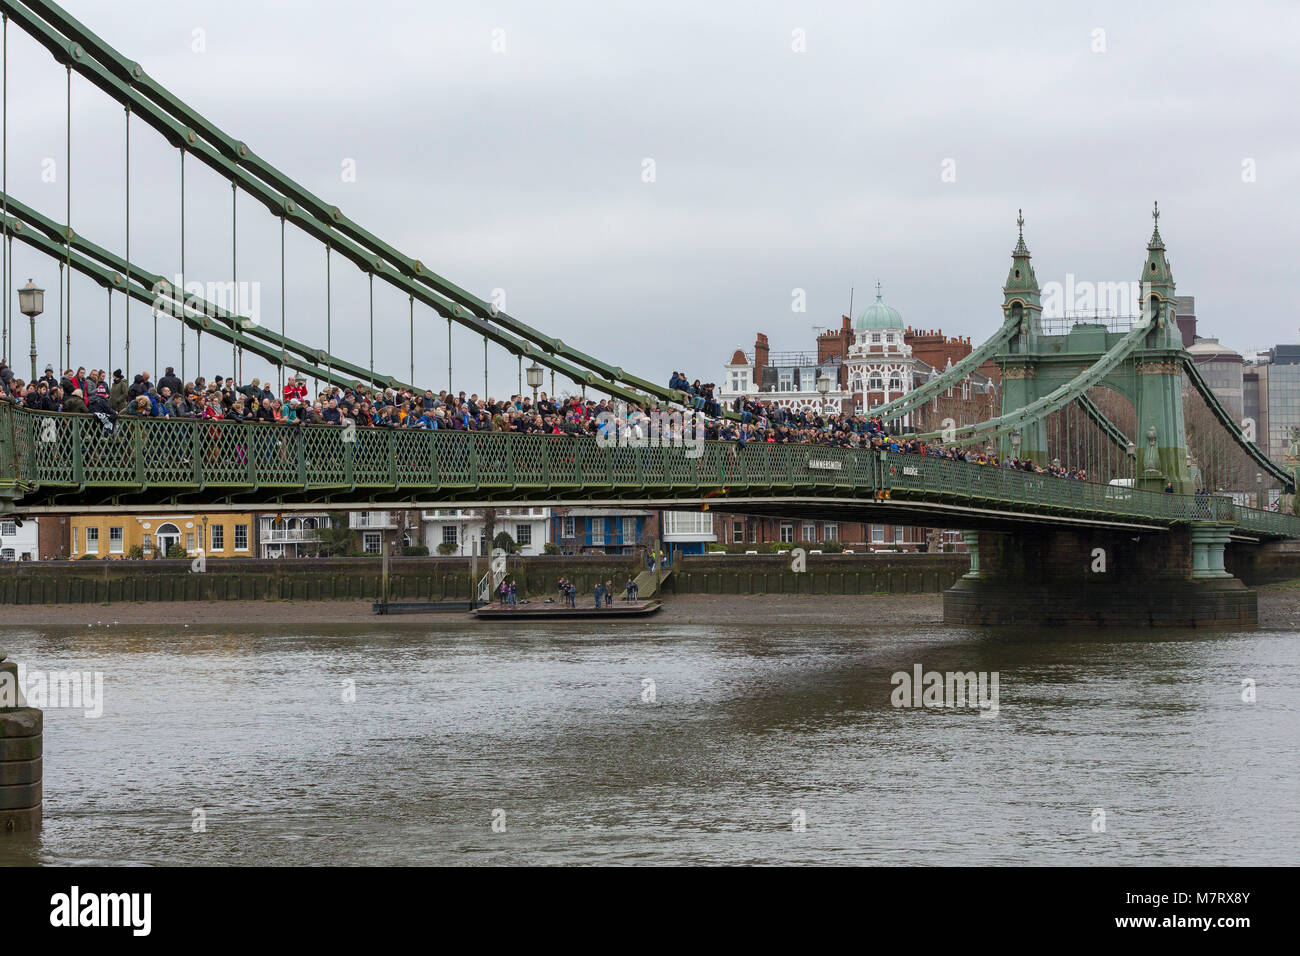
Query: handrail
x=50, y=453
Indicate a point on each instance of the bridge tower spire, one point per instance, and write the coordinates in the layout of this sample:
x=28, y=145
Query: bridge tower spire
x=1022, y=301
x=1162, y=437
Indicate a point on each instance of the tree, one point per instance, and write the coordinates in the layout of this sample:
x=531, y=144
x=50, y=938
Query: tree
x=177, y=550
x=336, y=539
x=505, y=543
x=448, y=548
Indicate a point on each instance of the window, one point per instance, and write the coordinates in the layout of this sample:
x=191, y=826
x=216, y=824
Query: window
x=629, y=530
x=875, y=338
x=146, y=542
x=895, y=383
x=523, y=534
x=74, y=540
x=787, y=533
x=737, y=531
x=7, y=554
x=241, y=537
x=875, y=383
x=878, y=533
x=753, y=533
x=372, y=542
x=810, y=531
x=566, y=527
x=449, y=534
x=738, y=381
x=830, y=531
x=114, y=540
x=597, y=530
x=189, y=541
x=8, y=529
x=218, y=537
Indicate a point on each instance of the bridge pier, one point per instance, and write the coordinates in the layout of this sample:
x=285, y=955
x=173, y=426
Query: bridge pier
x=1093, y=577
x=20, y=756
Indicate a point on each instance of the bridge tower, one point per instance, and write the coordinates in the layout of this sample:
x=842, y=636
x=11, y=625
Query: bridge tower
x=1162, y=434
x=1035, y=363
x=1021, y=299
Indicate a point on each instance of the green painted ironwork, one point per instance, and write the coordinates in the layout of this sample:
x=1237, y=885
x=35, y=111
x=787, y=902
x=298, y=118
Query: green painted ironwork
x=45, y=455
x=951, y=377
x=1108, y=428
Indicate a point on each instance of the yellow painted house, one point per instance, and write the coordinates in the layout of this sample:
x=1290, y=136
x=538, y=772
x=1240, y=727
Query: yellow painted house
x=217, y=535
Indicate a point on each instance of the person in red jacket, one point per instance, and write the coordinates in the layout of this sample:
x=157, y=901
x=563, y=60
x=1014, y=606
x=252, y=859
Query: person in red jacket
x=295, y=388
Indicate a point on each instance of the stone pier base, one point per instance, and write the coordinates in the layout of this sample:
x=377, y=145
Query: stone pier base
x=1102, y=579
x=20, y=758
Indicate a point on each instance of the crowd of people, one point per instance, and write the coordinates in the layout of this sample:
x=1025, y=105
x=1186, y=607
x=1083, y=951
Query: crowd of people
x=93, y=391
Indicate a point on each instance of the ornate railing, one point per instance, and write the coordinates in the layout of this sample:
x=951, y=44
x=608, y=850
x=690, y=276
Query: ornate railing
x=44, y=455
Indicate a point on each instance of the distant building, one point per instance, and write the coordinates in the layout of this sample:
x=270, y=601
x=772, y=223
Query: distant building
x=1222, y=370
x=604, y=530
x=529, y=529
x=741, y=530
x=870, y=361
x=19, y=543
x=292, y=535
x=687, y=532
x=1184, y=309
x=118, y=535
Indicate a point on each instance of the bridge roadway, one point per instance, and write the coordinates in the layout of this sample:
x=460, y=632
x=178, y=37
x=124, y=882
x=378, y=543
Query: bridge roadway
x=59, y=463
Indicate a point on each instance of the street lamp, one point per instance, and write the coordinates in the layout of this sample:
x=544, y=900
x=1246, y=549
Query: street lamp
x=1015, y=444
x=823, y=387
x=534, y=375
x=31, y=303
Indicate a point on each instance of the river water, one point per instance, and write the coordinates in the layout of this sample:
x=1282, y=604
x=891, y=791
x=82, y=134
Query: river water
x=752, y=725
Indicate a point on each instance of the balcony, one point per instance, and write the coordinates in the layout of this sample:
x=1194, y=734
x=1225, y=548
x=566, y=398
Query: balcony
x=373, y=520
x=273, y=535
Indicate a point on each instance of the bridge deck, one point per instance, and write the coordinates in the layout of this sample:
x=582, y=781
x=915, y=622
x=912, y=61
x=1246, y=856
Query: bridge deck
x=52, y=462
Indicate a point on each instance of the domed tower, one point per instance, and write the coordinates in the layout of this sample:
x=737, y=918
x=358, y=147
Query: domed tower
x=879, y=366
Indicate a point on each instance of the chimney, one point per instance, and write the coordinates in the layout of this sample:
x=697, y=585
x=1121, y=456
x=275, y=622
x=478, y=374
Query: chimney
x=760, y=351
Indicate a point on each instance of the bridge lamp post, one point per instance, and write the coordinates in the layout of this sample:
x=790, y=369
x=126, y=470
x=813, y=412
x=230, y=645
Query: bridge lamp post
x=534, y=375
x=1015, y=444
x=1132, y=453
x=31, y=303
x=823, y=388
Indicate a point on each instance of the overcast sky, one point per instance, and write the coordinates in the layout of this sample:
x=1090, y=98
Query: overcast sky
x=794, y=146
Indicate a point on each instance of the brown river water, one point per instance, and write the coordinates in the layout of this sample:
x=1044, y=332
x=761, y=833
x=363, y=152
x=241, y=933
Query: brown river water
x=751, y=731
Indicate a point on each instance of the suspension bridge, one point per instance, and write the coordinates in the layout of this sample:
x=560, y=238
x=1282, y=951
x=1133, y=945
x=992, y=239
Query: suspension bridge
x=1172, y=476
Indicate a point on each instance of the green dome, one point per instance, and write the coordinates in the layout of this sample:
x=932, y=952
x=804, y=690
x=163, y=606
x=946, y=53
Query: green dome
x=878, y=316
